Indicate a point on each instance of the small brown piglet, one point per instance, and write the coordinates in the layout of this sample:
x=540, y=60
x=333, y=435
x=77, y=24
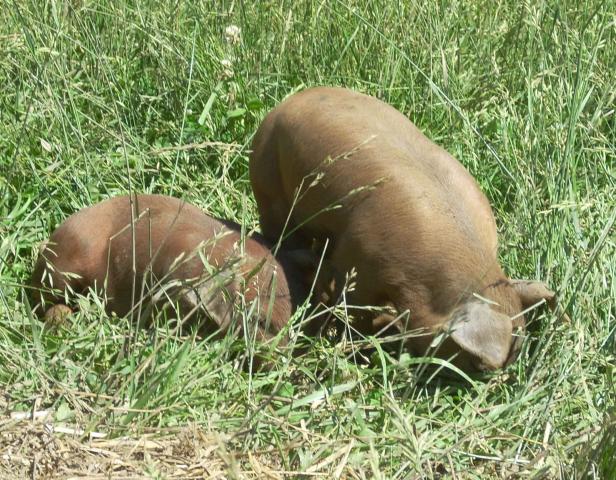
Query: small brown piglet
x=148, y=251
x=334, y=165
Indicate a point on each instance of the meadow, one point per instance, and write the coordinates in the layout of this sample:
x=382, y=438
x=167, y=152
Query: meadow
x=100, y=98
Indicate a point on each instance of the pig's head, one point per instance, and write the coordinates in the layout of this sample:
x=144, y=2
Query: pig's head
x=487, y=330
x=483, y=333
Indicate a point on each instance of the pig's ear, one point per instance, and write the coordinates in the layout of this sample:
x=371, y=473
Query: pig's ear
x=531, y=293
x=482, y=332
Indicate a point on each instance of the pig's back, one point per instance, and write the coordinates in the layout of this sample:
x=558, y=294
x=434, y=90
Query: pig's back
x=419, y=184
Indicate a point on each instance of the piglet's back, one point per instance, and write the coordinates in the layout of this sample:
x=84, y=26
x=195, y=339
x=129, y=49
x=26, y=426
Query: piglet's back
x=95, y=246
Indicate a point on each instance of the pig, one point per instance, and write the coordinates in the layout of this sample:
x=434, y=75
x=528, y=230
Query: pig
x=146, y=251
x=331, y=164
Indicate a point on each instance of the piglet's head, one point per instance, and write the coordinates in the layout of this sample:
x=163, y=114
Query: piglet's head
x=265, y=292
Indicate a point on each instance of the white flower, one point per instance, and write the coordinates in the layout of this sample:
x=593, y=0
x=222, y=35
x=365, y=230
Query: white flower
x=227, y=67
x=232, y=34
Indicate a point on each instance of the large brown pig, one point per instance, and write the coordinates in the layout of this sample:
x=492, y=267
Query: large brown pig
x=398, y=209
x=175, y=254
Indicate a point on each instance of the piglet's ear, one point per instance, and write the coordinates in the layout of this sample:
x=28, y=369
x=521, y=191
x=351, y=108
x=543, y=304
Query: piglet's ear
x=531, y=293
x=212, y=301
x=218, y=296
x=482, y=332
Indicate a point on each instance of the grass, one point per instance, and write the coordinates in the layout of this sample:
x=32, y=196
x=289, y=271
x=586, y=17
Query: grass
x=99, y=98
